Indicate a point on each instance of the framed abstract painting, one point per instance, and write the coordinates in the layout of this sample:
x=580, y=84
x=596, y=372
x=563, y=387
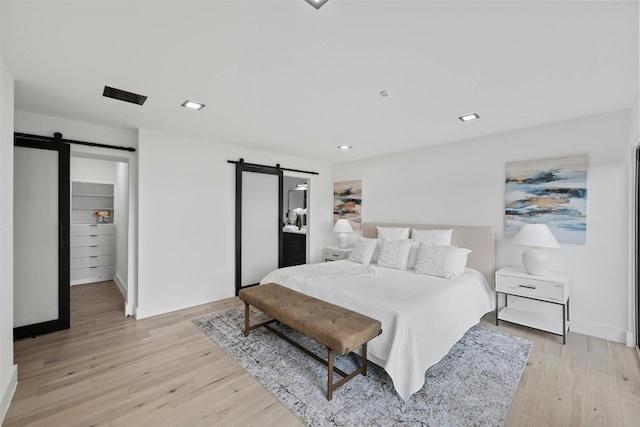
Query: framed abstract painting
x=347, y=202
x=548, y=191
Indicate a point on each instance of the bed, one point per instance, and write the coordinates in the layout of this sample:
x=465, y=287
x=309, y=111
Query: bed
x=422, y=316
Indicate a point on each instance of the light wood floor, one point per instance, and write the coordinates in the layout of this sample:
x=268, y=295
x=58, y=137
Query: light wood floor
x=162, y=371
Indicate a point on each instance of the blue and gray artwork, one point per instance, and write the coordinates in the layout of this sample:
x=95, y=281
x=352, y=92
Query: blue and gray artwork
x=548, y=191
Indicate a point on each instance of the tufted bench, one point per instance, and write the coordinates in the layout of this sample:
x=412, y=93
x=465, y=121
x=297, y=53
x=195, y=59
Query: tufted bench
x=335, y=327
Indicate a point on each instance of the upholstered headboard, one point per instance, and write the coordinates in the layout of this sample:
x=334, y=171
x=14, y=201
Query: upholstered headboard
x=479, y=239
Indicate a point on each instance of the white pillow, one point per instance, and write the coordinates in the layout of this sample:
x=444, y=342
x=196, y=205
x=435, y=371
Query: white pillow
x=441, y=261
x=390, y=233
x=394, y=254
x=393, y=233
x=430, y=237
x=363, y=250
x=433, y=237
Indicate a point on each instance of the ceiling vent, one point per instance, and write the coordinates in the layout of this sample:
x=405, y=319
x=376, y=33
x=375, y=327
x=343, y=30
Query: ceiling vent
x=123, y=95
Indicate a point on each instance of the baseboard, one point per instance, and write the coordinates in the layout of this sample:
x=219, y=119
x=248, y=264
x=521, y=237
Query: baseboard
x=121, y=285
x=7, y=392
x=169, y=306
x=598, y=330
x=129, y=309
x=631, y=341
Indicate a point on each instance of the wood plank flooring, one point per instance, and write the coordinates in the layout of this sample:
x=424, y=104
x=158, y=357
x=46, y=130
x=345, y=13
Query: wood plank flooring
x=112, y=370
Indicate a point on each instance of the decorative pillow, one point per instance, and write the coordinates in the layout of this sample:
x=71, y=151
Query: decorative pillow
x=432, y=237
x=393, y=233
x=441, y=261
x=363, y=250
x=394, y=254
x=390, y=233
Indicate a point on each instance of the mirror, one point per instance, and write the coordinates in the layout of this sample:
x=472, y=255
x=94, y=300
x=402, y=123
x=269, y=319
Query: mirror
x=296, y=196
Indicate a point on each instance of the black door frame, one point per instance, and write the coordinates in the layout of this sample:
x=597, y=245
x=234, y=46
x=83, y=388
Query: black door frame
x=64, y=310
x=241, y=167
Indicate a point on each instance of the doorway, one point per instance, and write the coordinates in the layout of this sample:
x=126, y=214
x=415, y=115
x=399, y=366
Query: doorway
x=294, y=238
x=99, y=221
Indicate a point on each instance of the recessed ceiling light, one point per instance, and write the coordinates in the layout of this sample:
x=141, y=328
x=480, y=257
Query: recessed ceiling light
x=469, y=117
x=345, y=147
x=193, y=105
x=317, y=3
x=384, y=93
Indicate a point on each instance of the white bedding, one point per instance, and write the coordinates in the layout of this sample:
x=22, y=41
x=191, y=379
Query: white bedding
x=422, y=316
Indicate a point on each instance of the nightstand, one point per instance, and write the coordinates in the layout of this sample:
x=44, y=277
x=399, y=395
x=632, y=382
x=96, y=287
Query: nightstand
x=334, y=253
x=552, y=288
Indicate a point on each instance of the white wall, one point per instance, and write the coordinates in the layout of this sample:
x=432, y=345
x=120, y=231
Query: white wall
x=40, y=124
x=187, y=218
x=634, y=120
x=8, y=371
x=463, y=183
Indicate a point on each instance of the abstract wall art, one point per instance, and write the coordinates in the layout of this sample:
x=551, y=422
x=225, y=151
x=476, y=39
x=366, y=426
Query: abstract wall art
x=548, y=191
x=347, y=202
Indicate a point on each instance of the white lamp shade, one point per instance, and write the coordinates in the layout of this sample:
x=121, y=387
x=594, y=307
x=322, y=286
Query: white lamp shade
x=342, y=226
x=536, y=235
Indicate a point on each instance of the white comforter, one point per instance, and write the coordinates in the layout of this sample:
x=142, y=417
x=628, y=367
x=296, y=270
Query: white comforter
x=422, y=316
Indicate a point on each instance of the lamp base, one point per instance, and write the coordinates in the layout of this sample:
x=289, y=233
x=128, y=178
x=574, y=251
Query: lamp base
x=535, y=261
x=343, y=240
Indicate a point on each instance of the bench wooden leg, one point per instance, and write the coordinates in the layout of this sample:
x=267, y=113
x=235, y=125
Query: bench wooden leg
x=247, y=329
x=364, y=359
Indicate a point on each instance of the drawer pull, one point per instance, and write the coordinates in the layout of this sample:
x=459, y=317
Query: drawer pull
x=527, y=286
x=93, y=235
x=93, y=256
x=93, y=246
x=93, y=225
x=94, y=266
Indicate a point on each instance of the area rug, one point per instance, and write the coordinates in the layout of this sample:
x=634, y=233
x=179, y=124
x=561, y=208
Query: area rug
x=473, y=385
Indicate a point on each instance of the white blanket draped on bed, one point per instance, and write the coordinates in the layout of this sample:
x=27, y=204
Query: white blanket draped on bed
x=422, y=316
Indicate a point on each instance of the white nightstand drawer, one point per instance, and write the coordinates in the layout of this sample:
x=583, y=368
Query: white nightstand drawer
x=334, y=254
x=533, y=288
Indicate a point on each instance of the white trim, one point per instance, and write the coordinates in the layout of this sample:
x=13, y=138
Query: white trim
x=192, y=301
x=8, y=390
x=121, y=286
x=598, y=330
x=129, y=309
x=632, y=332
x=631, y=342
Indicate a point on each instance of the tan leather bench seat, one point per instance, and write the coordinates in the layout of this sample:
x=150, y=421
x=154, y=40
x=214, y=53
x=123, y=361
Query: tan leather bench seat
x=337, y=328
x=333, y=326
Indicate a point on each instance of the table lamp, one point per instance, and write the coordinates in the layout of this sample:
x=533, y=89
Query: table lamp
x=343, y=227
x=535, y=260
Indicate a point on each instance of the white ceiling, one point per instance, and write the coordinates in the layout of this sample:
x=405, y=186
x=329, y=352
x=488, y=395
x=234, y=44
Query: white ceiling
x=279, y=75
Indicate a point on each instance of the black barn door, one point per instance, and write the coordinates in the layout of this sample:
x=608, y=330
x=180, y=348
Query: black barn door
x=41, y=236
